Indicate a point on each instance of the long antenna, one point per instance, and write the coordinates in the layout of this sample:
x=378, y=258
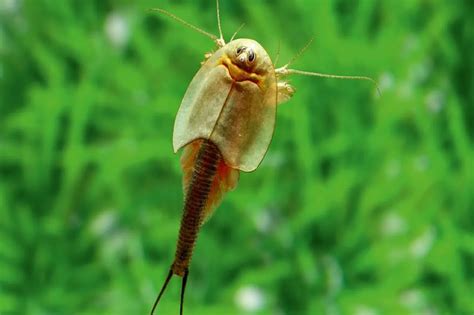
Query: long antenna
x=180, y=20
x=238, y=30
x=302, y=50
x=220, y=41
x=277, y=57
x=161, y=292
x=285, y=71
x=333, y=76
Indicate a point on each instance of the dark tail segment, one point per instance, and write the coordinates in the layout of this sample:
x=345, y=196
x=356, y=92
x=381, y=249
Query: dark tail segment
x=197, y=193
x=183, y=287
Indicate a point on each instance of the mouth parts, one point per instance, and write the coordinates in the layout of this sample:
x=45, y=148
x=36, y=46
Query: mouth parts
x=239, y=74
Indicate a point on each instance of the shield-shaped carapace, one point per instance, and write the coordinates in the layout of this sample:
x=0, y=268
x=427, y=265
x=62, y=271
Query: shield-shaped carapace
x=231, y=102
x=225, y=125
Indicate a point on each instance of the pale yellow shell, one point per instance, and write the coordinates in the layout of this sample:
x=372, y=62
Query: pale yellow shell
x=232, y=103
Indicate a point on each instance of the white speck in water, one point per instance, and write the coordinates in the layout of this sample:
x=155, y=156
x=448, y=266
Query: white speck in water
x=9, y=6
x=365, y=310
x=422, y=245
x=386, y=81
x=420, y=72
x=263, y=221
x=114, y=245
x=103, y=222
x=117, y=29
x=413, y=299
x=250, y=298
x=435, y=101
x=392, y=224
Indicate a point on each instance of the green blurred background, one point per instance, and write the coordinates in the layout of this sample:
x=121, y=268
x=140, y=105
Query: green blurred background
x=363, y=204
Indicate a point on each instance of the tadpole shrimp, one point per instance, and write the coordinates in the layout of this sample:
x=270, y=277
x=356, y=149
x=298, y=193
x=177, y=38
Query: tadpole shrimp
x=225, y=124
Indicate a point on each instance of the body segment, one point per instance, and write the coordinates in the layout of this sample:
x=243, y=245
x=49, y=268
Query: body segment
x=205, y=168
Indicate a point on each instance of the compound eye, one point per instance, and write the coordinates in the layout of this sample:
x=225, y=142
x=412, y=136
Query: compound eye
x=251, y=56
x=240, y=50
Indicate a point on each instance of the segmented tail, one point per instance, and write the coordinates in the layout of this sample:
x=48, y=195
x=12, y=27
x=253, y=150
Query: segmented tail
x=205, y=180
